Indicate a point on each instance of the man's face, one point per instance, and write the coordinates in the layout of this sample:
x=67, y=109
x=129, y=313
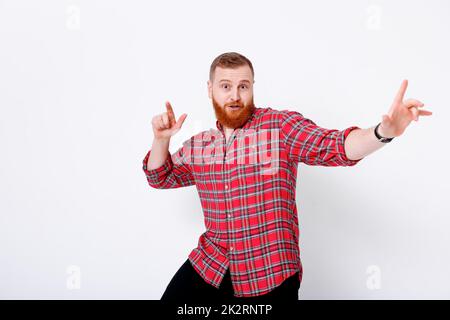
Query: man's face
x=232, y=87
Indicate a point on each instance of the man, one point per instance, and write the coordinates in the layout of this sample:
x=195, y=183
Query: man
x=245, y=173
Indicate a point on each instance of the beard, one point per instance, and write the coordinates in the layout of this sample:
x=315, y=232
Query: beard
x=233, y=118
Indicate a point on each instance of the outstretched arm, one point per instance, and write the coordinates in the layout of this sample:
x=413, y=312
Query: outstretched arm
x=311, y=144
x=362, y=142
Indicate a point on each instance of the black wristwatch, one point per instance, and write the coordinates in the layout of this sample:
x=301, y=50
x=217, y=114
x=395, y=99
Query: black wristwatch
x=380, y=138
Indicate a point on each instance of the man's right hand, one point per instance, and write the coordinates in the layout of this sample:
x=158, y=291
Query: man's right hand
x=165, y=124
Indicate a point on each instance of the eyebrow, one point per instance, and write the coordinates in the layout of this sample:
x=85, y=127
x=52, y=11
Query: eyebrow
x=230, y=81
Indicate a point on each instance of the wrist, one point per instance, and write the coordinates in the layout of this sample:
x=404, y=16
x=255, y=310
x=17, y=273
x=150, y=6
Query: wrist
x=381, y=132
x=380, y=135
x=161, y=140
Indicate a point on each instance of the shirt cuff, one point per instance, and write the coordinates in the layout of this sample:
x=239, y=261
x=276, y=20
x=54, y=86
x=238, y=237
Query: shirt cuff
x=154, y=174
x=341, y=150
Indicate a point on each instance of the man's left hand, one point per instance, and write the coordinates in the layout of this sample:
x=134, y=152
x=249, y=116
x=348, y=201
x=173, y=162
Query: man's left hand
x=401, y=114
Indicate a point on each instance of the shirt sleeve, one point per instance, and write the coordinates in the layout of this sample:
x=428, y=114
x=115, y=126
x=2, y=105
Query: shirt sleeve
x=175, y=172
x=313, y=145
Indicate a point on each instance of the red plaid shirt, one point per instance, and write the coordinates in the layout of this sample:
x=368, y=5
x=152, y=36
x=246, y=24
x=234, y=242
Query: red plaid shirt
x=247, y=191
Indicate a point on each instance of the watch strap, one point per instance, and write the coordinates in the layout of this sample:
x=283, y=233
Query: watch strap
x=380, y=138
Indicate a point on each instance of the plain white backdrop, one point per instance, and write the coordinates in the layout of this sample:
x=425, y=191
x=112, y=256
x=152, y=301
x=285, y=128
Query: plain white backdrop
x=81, y=80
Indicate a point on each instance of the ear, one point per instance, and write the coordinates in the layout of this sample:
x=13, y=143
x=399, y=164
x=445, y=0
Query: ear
x=209, y=89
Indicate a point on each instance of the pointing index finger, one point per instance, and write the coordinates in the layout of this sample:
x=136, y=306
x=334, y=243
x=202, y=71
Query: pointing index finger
x=401, y=91
x=170, y=113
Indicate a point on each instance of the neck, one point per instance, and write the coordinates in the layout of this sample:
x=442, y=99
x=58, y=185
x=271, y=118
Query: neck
x=228, y=132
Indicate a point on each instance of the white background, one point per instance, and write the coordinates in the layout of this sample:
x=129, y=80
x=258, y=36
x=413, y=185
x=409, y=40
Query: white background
x=81, y=80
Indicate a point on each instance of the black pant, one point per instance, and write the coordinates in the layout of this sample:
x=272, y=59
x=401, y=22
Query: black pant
x=188, y=286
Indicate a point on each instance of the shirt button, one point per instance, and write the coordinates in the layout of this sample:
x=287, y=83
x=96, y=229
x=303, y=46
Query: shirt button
x=229, y=215
x=231, y=248
x=226, y=186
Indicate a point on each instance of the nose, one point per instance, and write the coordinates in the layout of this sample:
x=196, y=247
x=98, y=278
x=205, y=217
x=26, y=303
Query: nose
x=235, y=95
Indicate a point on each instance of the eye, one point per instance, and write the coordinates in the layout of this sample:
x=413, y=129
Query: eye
x=224, y=85
x=244, y=86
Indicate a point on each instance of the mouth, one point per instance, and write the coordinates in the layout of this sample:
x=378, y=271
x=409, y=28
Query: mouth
x=234, y=107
